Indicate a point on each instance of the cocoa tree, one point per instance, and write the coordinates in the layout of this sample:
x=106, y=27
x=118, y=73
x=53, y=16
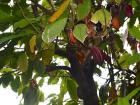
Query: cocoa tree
x=83, y=34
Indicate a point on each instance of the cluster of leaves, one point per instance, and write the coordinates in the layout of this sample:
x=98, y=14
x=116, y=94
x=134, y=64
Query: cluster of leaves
x=31, y=32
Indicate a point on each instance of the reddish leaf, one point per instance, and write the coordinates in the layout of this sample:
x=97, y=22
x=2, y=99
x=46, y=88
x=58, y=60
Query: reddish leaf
x=97, y=55
x=128, y=10
x=71, y=37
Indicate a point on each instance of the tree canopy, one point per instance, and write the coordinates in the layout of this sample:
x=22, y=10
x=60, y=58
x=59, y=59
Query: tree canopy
x=85, y=35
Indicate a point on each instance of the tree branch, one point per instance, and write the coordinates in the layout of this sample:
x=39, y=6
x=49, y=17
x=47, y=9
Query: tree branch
x=87, y=88
x=60, y=52
x=52, y=68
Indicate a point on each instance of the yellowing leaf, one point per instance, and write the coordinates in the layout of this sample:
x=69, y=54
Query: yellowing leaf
x=60, y=11
x=22, y=62
x=103, y=16
x=32, y=44
x=118, y=1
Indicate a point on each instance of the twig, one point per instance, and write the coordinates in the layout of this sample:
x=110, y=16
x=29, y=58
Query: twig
x=52, y=68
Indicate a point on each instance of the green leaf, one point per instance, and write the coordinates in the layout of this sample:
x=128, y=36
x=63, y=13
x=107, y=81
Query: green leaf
x=8, y=36
x=53, y=30
x=51, y=95
x=6, y=70
x=4, y=16
x=41, y=96
x=133, y=93
x=118, y=43
x=5, y=1
x=71, y=102
x=123, y=101
x=23, y=23
x=103, y=16
x=72, y=89
x=39, y=68
x=6, y=79
x=31, y=96
x=26, y=76
x=53, y=80
x=126, y=60
x=20, y=89
x=63, y=90
x=15, y=84
x=41, y=81
x=22, y=62
x=135, y=31
x=83, y=9
x=46, y=4
x=80, y=32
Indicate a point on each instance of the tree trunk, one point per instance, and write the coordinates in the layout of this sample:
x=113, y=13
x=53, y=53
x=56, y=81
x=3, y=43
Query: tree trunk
x=83, y=74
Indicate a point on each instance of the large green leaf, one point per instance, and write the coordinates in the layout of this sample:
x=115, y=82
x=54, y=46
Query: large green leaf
x=6, y=18
x=8, y=36
x=24, y=22
x=135, y=31
x=126, y=60
x=72, y=89
x=63, y=90
x=83, y=9
x=15, y=84
x=103, y=16
x=80, y=32
x=54, y=29
x=123, y=101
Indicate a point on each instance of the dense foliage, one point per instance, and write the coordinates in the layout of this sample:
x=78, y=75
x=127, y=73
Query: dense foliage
x=86, y=35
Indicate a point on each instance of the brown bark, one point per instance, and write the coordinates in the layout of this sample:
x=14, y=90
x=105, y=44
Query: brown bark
x=83, y=74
